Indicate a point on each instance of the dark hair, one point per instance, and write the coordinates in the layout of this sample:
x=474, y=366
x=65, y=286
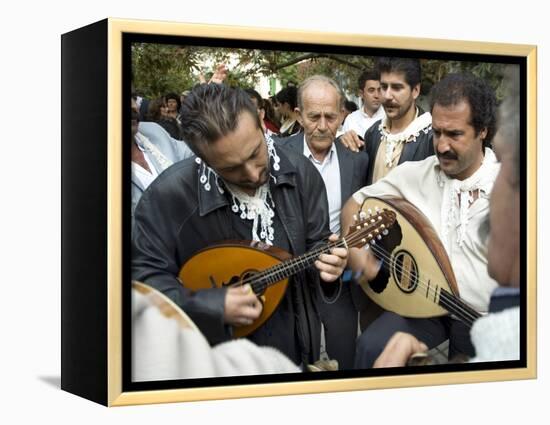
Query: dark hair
x=350, y=106
x=288, y=95
x=455, y=88
x=366, y=75
x=210, y=111
x=270, y=113
x=153, y=110
x=254, y=94
x=408, y=66
x=175, y=97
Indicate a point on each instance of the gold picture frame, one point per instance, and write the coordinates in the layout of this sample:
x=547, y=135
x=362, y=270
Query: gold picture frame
x=107, y=51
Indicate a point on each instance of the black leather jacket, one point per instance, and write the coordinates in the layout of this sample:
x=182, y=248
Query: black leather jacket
x=177, y=217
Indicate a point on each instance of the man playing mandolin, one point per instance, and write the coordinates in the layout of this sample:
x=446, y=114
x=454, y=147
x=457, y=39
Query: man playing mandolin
x=452, y=189
x=496, y=336
x=239, y=187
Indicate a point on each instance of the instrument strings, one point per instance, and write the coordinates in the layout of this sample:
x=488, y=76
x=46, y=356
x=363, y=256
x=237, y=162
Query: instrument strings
x=279, y=272
x=447, y=301
x=282, y=270
x=260, y=281
x=468, y=315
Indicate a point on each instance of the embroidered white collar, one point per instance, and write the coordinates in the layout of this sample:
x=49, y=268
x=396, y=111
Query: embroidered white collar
x=458, y=196
x=260, y=208
x=422, y=123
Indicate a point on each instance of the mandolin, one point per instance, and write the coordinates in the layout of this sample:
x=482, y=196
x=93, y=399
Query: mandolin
x=267, y=268
x=416, y=278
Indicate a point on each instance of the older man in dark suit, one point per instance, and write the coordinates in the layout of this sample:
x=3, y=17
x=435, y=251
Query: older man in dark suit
x=320, y=109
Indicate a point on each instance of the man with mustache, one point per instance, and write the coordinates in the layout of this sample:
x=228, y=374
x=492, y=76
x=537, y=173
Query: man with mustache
x=496, y=336
x=240, y=186
x=319, y=111
x=405, y=133
x=452, y=190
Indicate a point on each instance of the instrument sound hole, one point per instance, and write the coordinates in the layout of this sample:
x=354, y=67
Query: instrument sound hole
x=232, y=282
x=245, y=277
x=248, y=277
x=405, y=271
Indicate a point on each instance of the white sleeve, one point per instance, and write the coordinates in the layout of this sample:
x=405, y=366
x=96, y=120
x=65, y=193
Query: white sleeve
x=388, y=186
x=164, y=349
x=243, y=357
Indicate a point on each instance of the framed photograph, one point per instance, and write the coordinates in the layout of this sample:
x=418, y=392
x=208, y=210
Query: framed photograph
x=125, y=337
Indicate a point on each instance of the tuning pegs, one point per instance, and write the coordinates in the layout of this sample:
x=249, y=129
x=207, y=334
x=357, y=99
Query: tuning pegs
x=362, y=215
x=385, y=232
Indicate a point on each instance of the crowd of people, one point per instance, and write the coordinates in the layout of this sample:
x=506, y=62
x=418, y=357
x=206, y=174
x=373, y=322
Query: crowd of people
x=222, y=163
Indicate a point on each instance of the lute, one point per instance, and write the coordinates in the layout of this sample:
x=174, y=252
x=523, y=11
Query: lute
x=416, y=278
x=267, y=268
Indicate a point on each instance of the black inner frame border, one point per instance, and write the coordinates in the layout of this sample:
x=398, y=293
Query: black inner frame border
x=129, y=38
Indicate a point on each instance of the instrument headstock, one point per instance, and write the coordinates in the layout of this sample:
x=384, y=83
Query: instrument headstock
x=369, y=227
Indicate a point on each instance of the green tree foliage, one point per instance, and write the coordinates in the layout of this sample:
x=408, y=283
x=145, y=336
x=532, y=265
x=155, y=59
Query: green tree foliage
x=435, y=70
x=158, y=69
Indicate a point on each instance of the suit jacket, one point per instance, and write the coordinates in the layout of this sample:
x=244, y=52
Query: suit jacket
x=353, y=176
x=418, y=150
x=353, y=166
x=173, y=150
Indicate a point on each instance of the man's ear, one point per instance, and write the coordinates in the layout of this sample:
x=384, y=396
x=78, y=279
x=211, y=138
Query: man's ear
x=483, y=134
x=416, y=91
x=299, y=118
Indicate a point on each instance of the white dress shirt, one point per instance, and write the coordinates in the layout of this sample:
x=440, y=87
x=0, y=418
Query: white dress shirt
x=330, y=171
x=145, y=177
x=360, y=122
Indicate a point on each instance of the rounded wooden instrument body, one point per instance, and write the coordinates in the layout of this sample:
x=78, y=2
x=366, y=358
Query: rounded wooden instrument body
x=228, y=264
x=419, y=267
x=165, y=305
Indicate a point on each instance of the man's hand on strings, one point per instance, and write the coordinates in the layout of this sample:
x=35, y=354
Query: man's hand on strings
x=242, y=306
x=331, y=266
x=361, y=261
